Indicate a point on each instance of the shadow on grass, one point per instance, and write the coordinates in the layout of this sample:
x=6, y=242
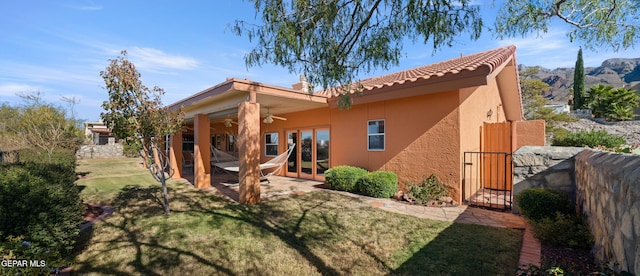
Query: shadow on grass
x=454, y=251
x=312, y=226
x=152, y=256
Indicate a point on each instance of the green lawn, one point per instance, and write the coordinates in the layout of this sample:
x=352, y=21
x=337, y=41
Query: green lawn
x=312, y=234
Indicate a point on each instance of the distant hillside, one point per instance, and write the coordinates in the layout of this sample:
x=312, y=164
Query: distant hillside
x=617, y=72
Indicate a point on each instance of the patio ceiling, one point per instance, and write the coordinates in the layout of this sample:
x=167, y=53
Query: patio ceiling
x=222, y=101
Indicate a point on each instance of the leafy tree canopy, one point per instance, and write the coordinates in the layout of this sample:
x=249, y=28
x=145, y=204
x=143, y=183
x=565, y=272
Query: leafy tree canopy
x=594, y=23
x=331, y=42
x=135, y=113
x=37, y=124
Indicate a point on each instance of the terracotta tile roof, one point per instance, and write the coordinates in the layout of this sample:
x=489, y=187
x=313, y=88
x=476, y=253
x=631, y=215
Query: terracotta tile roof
x=486, y=61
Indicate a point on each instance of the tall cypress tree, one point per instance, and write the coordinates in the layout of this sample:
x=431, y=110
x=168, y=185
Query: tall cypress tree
x=578, y=83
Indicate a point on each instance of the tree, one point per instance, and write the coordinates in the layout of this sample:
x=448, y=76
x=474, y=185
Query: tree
x=596, y=23
x=532, y=90
x=136, y=115
x=534, y=102
x=578, y=83
x=38, y=125
x=332, y=43
x=612, y=104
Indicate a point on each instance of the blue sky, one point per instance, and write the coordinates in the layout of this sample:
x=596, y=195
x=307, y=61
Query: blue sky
x=59, y=47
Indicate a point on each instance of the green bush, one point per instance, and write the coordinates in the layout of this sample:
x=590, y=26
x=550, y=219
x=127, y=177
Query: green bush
x=40, y=202
x=380, y=184
x=612, y=104
x=130, y=150
x=344, y=178
x=591, y=139
x=19, y=250
x=536, y=203
x=563, y=230
x=430, y=189
x=64, y=158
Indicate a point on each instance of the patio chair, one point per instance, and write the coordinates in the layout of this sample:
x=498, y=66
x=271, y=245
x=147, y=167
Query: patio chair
x=187, y=159
x=276, y=163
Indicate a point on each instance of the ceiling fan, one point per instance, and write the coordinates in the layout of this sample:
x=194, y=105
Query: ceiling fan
x=229, y=122
x=269, y=118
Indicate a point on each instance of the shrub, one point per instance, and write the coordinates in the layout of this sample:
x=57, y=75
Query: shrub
x=612, y=104
x=344, y=178
x=130, y=150
x=380, y=184
x=16, y=248
x=591, y=139
x=430, y=189
x=40, y=202
x=563, y=230
x=536, y=203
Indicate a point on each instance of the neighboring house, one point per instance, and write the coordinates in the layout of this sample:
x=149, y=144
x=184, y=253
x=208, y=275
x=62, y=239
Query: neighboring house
x=415, y=123
x=97, y=133
x=559, y=108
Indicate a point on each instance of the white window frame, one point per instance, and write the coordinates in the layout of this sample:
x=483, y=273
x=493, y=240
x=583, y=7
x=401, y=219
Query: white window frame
x=383, y=134
x=273, y=143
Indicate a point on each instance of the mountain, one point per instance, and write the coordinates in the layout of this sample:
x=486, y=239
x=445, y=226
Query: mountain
x=617, y=72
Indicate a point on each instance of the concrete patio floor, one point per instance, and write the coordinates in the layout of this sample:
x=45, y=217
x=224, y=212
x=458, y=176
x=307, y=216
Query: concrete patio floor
x=227, y=186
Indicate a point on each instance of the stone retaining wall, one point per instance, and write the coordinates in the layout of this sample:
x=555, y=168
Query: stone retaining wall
x=100, y=151
x=608, y=193
x=544, y=167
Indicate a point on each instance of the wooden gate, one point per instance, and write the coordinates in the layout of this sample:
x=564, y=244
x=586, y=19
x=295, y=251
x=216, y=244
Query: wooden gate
x=488, y=175
x=498, y=171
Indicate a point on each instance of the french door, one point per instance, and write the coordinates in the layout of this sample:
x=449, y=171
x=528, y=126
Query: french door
x=310, y=157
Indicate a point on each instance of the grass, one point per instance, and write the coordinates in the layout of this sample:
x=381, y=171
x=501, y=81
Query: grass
x=311, y=234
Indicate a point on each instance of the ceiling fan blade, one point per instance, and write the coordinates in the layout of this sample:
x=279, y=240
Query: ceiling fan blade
x=279, y=118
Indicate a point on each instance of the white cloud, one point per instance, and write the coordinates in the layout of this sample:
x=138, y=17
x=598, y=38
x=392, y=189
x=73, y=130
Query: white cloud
x=12, y=89
x=90, y=8
x=550, y=50
x=40, y=74
x=154, y=59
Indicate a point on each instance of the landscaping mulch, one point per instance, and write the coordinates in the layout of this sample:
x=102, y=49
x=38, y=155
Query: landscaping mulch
x=577, y=261
x=92, y=212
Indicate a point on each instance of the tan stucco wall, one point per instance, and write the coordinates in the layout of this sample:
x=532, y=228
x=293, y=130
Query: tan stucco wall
x=475, y=102
x=529, y=133
x=422, y=137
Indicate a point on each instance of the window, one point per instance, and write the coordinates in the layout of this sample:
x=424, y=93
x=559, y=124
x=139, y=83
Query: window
x=375, y=133
x=271, y=144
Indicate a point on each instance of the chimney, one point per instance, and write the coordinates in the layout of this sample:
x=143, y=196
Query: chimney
x=303, y=85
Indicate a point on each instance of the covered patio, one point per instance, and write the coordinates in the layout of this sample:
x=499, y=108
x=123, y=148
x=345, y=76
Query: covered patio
x=233, y=117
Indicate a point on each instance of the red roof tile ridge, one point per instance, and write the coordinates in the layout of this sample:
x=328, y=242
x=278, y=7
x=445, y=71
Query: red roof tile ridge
x=490, y=59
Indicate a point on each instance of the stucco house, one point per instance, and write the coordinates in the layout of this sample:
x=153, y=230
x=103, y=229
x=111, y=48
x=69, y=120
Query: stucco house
x=97, y=133
x=416, y=122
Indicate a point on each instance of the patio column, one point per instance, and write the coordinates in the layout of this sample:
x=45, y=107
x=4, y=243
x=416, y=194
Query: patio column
x=175, y=154
x=249, y=151
x=201, y=152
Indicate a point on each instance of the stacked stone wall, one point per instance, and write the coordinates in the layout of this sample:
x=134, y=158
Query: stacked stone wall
x=544, y=167
x=608, y=193
x=100, y=151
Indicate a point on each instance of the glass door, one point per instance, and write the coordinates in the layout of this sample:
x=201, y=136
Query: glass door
x=310, y=157
x=322, y=153
x=306, y=154
x=292, y=162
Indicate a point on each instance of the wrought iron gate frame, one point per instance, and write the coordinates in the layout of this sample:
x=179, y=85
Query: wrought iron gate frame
x=479, y=186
